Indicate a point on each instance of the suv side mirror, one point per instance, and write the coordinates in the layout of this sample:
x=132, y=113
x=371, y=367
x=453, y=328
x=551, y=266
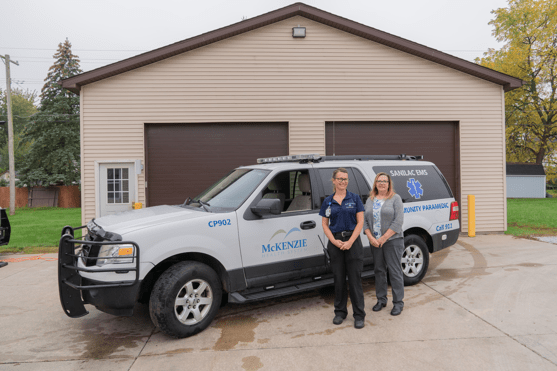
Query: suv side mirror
x=267, y=206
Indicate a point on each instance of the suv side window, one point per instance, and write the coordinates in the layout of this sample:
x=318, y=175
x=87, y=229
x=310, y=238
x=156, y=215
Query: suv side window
x=364, y=187
x=417, y=183
x=293, y=188
x=325, y=174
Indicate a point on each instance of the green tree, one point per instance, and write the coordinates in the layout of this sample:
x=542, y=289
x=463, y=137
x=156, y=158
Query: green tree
x=23, y=107
x=54, y=131
x=21, y=151
x=529, y=30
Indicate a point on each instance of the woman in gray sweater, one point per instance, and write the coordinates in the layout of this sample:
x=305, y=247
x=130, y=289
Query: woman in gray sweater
x=383, y=218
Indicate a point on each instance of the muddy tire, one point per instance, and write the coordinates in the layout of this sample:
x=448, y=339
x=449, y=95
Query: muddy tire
x=415, y=259
x=185, y=299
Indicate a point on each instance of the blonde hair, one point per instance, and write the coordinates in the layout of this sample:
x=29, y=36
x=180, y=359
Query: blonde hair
x=339, y=170
x=374, y=191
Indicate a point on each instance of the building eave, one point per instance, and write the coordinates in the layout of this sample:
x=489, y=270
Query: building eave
x=75, y=83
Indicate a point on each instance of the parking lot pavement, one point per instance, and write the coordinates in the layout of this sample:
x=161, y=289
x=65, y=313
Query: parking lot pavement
x=487, y=303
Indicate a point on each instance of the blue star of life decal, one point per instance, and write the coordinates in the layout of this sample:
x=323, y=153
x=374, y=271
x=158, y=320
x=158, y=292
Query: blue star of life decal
x=415, y=188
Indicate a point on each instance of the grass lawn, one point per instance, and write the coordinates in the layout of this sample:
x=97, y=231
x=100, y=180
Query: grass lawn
x=532, y=216
x=38, y=230
x=552, y=192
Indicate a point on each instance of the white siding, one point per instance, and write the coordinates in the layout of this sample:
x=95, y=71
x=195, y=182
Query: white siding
x=266, y=75
x=525, y=186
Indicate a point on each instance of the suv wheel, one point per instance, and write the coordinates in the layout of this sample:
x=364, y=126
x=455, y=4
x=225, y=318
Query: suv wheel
x=185, y=299
x=415, y=259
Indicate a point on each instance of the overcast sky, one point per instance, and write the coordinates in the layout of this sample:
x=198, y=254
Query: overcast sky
x=106, y=31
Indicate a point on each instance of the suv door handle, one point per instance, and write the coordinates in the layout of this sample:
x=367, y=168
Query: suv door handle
x=308, y=225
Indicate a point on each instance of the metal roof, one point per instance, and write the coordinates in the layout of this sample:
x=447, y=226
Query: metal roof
x=75, y=83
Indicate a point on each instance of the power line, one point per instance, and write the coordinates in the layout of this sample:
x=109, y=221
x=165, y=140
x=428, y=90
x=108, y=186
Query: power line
x=59, y=114
x=81, y=62
x=79, y=50
x=144, y=50
x=44, y=59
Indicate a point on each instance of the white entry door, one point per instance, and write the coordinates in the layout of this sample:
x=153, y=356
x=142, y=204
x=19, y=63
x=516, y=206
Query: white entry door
x=117, y=187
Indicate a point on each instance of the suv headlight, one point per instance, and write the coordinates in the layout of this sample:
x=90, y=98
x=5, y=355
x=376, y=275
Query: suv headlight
x=122, y=253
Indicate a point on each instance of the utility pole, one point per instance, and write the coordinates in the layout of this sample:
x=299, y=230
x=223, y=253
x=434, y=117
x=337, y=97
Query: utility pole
x=7, y=62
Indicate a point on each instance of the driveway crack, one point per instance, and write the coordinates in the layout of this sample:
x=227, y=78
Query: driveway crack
x=143, y=347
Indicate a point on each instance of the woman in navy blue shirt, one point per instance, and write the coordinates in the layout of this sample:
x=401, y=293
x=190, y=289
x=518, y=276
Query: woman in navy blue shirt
x=343, y=219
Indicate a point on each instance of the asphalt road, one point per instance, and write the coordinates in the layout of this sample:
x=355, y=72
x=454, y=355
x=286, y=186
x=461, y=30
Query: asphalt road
x=487, y=303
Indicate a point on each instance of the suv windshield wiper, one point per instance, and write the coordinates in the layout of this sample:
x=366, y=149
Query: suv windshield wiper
x=204, y=204
x=187, y=202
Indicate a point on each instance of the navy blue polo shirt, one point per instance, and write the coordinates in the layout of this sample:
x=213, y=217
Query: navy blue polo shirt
x=343, y=217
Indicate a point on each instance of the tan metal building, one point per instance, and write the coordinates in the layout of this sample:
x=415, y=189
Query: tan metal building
x=167, y=123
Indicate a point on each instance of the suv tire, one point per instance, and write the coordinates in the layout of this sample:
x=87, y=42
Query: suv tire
x=415, y=259
x=185, y=299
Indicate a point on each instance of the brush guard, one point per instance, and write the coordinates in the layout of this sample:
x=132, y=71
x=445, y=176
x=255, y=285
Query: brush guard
x=69, y=280
x=5, y=228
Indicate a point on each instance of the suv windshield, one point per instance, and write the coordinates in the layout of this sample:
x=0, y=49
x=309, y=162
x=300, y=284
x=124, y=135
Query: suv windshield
x=230, y=192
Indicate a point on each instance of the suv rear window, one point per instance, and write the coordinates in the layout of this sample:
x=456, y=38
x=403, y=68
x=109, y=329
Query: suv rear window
x=417, y=183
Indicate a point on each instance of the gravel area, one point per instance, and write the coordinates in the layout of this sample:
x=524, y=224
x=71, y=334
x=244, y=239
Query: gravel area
x=552, y=239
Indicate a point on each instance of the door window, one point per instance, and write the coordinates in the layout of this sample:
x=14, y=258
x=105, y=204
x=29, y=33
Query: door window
x=118, y=187
x=362, y=185
x=327, y=173
x=356, y=183
x=293, y=188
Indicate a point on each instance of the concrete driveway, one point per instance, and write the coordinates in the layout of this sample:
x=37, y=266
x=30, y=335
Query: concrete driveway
x=487, y=303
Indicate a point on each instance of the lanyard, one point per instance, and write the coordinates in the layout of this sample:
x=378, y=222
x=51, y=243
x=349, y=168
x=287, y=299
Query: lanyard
x=328, y=211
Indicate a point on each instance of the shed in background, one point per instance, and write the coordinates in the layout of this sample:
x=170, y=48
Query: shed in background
x=525, y=180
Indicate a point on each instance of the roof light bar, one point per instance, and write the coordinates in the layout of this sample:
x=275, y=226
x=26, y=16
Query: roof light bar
x=293, y=158
x=402, y=157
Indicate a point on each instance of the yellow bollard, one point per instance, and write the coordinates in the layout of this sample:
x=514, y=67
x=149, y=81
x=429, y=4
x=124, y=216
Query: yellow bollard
x=471, y=216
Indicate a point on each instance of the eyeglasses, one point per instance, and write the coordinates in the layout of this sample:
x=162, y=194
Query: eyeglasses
x=382, y=181
x=343, y=180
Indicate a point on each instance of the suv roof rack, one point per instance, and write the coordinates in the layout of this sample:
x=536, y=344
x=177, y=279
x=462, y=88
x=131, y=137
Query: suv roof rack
x=401, y=157
x=304, y=158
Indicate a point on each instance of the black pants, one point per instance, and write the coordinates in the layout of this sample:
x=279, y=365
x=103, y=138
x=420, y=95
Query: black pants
x=348, y=263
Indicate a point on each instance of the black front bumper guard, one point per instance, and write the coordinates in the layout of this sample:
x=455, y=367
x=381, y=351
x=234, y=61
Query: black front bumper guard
x=5, y=228
x=69, y=280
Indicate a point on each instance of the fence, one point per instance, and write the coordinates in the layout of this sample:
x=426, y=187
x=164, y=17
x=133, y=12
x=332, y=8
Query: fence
x=66, y=197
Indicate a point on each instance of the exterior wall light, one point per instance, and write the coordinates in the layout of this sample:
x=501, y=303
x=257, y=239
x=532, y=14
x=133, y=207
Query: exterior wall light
x=298, y=32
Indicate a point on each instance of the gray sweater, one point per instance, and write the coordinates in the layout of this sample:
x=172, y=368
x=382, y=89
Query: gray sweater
x=392, y=216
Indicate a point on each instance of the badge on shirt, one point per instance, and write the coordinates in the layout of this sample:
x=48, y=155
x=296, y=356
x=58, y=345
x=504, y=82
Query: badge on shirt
x=328, y=211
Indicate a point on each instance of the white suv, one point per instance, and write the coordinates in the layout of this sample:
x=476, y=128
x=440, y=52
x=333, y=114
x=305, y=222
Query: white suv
x=253, y=235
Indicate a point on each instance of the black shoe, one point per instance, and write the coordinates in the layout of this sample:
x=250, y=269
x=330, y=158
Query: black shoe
x=337, y=320
x=377, y=307
x=396, y=311
x=3, y=264
x=359, y=323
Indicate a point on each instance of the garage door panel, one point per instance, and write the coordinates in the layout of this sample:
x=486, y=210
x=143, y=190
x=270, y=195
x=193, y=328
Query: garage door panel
x=436, y=141
x=185, y=159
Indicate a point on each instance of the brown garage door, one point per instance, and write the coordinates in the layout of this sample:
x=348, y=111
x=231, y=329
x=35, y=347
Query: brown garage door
x=436, y=141
x=184, y=159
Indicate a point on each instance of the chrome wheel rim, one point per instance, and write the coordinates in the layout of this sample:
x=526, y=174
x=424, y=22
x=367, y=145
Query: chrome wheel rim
x=412, y=261
x=193, y=302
